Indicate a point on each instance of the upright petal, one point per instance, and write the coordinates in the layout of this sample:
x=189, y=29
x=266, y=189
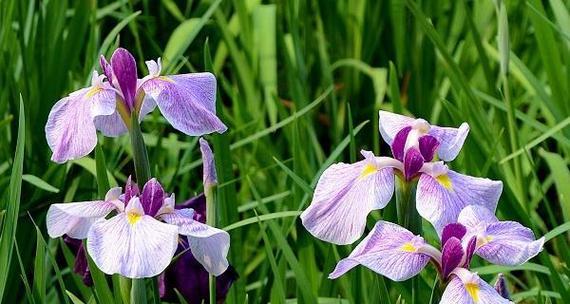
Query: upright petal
x=131, y=189
x=343, y=198
x=209, y=245
x=152, y=197
x=399, y=143
x=125, y=73
x=389, y=250
x=468, y=288
x=428, y=145
x=70, y=130
x=440, y=199
x=187, y=101
x=210, y=178
x=131, y=244
x=413, y=162
x=453, y=230
x=75, y=219
x=501, y=286
x=390, y=124
x=451, y=255
x=450, y=140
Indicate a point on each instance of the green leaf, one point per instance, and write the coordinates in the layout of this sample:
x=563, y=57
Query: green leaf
x=561, y=175
x=39, y=183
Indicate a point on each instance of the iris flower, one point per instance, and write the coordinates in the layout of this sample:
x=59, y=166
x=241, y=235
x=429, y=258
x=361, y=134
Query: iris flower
x=347, y=193
x=398, y=254
x=187, y=101
x=135, y=234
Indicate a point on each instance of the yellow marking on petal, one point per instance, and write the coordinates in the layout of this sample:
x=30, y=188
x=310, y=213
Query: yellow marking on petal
x=93, y=91
x=408, y=247
x=165, y=78
x=473, y=291
x=368, y=170
x=133, y=218
x=445, y=181
x=484, y=240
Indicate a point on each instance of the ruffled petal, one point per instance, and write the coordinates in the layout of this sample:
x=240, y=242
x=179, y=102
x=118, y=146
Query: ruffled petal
x=187, y=101
x=509, y=243
x=70, y=130
x=450, y=140
x=209, y=245
x=389, y=250
x=75, y=219
x=390, y=124
x=440, y=200
x=472, y=291
x=132, y=245
x=343, y=198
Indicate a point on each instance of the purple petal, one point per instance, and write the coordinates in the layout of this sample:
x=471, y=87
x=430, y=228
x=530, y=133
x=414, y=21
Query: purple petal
x=190, y=278
x=390, y=124
x=80, y=267
x=389, y=250
x=70, y=130
x=469, y=251
x=111, y=125
x=450, y=140
x=106, y=68
x=131, y=189
x=198, y=204
x=413, y=162
x=399, y=143
x=501, y=286
x=131, y=244
x=210, y=179
x=125, y=72
x=452, y=230
x=452, y=254
x=440, y=200
x=509, y=243
x=428, y=146
x=187, y=101
x=152, y=197
x=470, y=289
x=343, y=198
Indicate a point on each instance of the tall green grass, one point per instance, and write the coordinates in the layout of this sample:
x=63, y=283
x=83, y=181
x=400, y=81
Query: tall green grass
x=300, y=84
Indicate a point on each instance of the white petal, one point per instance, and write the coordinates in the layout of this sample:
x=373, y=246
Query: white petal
x=75, y=219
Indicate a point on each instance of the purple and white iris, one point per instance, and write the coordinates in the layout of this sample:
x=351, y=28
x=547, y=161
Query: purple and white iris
x=347, y=193
x=398, y=254
x=187, y=101
x=135, y=233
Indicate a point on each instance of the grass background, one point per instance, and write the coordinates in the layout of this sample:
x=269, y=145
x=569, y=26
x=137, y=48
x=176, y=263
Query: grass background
x=300, y=84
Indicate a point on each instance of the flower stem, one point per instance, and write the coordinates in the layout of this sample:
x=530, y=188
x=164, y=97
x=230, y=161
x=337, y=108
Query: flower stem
x=138, y=291
x=209, y=192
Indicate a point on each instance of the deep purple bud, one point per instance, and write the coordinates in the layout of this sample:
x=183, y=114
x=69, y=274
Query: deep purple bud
x=428, y=145
x=106, y=68
x=413, y=162
x=453, y=230
x=80, y=267
x=125, y=73
x=131, y=190
x=451, y=256
x=399, y=143
x=152, y=197
x=198, y=203
x=469, y=251
x=501, y=286
x=210, y=179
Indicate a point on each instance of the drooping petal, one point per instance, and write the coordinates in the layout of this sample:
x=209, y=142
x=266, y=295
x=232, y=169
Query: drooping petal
x=343, y=198
x=471, y=291
x=70, y=130
x=80, y=267
x=451, y=255
x=440, y=200
x=152, y=197
x=75, y=219
x=209, y=245
x=390, y=124
x=509, y=243
x=125, y=73
x=389, y=250
x=132, y=244
x=450, y=140
x=210, y=178
x=187, y=101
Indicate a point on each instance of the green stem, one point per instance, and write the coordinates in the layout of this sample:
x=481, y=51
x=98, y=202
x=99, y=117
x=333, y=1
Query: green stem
x=138, y=291
x=209, y=192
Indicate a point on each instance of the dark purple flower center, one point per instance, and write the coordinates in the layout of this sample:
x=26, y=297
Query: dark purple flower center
x=453, y=253
x=413, y=155
x=152, y=197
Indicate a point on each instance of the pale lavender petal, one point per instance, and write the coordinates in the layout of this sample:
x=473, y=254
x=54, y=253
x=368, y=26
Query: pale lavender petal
x=413, y=162
x=111, y=125
x=187, y=101
x=452, y=230
x=70, y=130
x=450, y=140
x=132, y=245
x=399, y=143
x=210, y=178
x=474, y=217
x=389, y=250
x=343, y=198
x=469, y=251
x=451, y=255
x=125, y=73
x=509, y=243
x=390, y=124
x=440, y=200
x=428, y=146
x=209, y=245
x=475, y=291
x=152, y=197
x=75, y=219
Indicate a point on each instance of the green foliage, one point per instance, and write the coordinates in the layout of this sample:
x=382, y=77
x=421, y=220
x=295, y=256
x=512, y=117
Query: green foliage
x=297, y=82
